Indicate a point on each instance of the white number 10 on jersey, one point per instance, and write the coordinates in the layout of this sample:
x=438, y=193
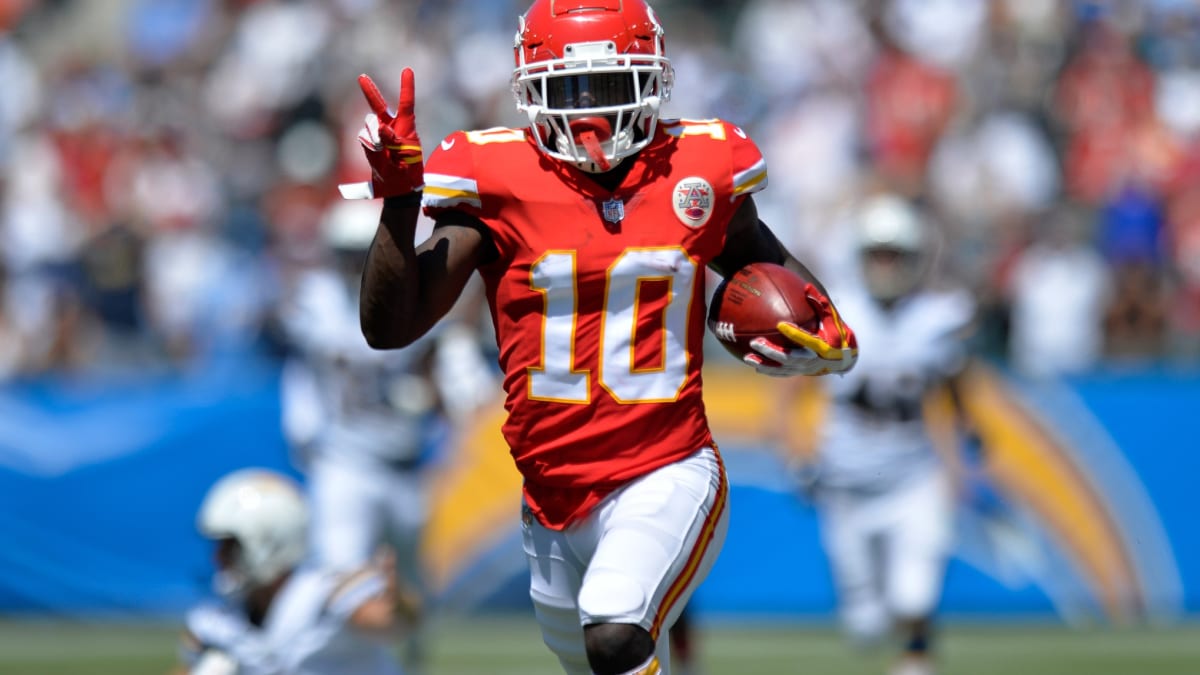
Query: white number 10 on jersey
x=557, y=379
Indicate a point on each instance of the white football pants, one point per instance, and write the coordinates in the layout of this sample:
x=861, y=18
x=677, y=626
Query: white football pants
x=888, y=551
x=358, y=507
x=637, y=558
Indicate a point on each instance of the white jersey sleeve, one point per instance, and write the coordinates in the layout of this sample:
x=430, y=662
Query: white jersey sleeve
x=213, y=662
x=875, y=435
x=309, y=625
x=341, y=398
x=305, y=632
x=221, y=629
x=942, y=321
x=353, y=590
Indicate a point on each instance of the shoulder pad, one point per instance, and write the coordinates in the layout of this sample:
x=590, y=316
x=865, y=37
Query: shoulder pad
x=450, y=175
x=452, y=171
x=747, y=164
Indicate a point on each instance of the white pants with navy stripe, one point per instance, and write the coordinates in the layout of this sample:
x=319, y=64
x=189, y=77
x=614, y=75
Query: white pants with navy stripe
x=357, y=507
x=888, y=552
x=637, y=558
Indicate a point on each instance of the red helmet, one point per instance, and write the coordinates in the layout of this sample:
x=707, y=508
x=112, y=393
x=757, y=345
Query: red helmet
x=591, y=75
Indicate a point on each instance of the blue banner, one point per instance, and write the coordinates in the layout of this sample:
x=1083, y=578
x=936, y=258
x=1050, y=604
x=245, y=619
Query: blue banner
x=100, y=480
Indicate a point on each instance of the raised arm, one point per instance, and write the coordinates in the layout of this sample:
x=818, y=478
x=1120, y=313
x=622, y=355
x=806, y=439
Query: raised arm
x=405, y=288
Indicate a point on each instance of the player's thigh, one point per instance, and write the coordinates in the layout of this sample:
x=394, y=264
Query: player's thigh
x=347, y=521
x=406, y=503
x=555, y=574
x=660, y=536
x=848, y=536
x=407, y=500
x=918, y=546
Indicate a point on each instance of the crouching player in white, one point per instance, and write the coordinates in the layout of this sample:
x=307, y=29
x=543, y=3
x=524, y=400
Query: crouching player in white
x=882, y=491
x=275, y=616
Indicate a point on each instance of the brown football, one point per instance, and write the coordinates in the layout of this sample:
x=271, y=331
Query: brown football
x=751, y=302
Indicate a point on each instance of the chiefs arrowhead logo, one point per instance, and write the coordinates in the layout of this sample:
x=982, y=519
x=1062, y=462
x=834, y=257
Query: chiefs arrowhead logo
x=693, y=201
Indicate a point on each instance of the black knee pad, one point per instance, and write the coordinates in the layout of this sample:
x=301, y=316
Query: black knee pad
x=919, y=637
x=614, y=648
x=917, y=644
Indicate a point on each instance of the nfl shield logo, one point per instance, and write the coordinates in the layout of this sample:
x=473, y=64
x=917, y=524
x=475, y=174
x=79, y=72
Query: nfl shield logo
x=614, y=210
x=693, y=201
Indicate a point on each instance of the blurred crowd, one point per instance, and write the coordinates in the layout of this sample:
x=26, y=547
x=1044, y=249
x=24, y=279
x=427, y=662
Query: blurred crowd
x=167, y=166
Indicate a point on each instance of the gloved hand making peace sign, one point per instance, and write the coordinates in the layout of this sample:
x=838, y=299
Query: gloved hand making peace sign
x=390, y=143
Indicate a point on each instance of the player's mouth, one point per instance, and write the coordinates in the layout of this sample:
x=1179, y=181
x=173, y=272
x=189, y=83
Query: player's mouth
x=590, y=132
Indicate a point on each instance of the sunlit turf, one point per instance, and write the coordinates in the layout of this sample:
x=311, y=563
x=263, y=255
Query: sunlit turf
x=512, y=646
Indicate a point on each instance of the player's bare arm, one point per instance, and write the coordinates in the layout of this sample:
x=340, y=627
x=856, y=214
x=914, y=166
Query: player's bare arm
x=832, y=349
x=749, y=240
x=406, y=289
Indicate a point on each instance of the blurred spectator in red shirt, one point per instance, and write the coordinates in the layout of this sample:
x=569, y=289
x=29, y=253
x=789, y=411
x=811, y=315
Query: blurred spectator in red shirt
x=909, y=103
x=1104, y=99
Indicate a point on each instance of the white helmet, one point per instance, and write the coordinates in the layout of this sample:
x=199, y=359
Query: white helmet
x=892, y=240
x=591, y=75
x=265, y=513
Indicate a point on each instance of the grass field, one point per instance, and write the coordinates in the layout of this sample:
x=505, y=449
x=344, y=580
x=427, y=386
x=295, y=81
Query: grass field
x=512, y=647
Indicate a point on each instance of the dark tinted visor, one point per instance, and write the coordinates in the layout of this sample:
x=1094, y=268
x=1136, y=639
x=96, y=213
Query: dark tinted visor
x=595, y=90
x=886, y=254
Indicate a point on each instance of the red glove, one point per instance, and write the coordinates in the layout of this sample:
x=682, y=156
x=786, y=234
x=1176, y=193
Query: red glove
x=390, y=143
x=832, y=349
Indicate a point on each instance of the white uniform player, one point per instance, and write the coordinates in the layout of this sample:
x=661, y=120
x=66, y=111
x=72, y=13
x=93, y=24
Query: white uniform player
x=884, y=494
x=363, y=421
x=360, y=421
x=276, y=617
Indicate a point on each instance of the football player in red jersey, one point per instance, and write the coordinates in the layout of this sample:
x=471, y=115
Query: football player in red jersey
x=591, y=229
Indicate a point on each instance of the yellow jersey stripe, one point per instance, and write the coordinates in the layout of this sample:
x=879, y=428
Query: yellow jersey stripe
x=751, y=180
x=436, y=197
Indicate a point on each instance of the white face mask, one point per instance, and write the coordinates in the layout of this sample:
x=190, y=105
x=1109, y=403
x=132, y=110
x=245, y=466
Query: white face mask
x=889, y=273
x=593, y=112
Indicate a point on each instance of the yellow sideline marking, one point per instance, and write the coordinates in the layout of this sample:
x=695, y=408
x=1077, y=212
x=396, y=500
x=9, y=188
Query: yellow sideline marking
x=1030, y=464
x=475, y=501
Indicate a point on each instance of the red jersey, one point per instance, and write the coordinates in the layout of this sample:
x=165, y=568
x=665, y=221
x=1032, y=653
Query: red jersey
x=598, y=298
